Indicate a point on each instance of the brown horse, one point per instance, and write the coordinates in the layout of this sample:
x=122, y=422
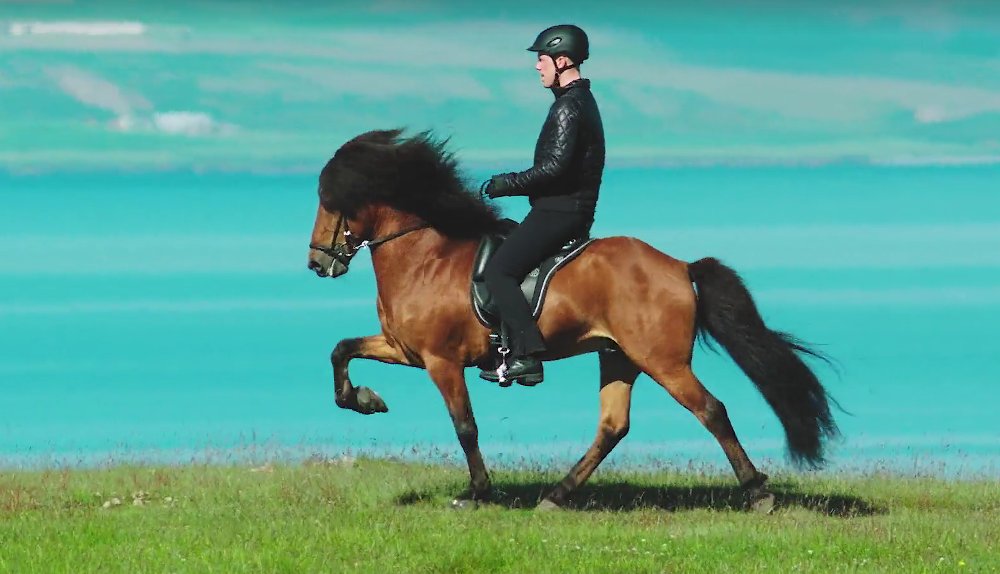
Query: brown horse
x=403, y=198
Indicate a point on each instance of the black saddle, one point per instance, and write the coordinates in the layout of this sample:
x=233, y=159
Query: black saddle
x=534, y=285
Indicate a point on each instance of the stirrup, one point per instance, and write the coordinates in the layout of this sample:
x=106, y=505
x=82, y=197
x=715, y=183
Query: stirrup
x=497, y=375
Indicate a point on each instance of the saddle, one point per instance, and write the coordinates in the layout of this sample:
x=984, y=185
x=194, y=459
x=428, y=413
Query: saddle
x=534, y=286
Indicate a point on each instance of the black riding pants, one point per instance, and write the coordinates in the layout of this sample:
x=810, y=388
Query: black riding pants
x=539, y=236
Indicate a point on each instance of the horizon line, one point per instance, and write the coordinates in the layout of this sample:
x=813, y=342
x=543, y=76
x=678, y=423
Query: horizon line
x=479, y=162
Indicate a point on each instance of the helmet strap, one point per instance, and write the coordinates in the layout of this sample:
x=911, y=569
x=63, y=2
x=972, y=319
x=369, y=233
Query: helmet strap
x=561, y=70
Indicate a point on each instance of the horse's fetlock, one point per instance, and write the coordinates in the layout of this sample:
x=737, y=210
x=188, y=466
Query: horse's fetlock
x=343, y=400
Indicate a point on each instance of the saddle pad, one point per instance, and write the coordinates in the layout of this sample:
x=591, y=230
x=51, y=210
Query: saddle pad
x=534, y=286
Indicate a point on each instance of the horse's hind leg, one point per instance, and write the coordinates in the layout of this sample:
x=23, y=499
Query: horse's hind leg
x=685, y=387
x=618, y=374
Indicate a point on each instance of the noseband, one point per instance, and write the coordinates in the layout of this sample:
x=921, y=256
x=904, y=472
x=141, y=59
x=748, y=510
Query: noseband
x=344, y=252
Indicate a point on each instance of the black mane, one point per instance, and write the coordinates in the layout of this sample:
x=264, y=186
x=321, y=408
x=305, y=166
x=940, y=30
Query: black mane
x=416, y=175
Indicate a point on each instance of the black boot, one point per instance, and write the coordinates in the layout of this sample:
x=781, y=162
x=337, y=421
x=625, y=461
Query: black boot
x=525, y=370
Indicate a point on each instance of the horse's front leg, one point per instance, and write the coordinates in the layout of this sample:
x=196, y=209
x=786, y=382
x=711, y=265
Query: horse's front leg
x=449, y=377
x=362, y=399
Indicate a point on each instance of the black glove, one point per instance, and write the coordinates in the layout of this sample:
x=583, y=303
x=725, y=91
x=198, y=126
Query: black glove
x=497, y=186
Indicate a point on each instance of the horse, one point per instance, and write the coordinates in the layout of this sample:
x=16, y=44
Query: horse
x=640, y=309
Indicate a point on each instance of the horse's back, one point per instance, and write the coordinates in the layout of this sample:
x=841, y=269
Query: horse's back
x=623, y=279
x=624, y=252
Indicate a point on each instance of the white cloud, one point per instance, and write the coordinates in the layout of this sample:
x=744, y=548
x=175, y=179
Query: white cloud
x=183, y=123
x=189, y=123
x=76, y=28
x=133, y=111
x=92, y=90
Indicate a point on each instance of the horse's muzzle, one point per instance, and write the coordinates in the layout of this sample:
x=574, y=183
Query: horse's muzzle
x=325, y=266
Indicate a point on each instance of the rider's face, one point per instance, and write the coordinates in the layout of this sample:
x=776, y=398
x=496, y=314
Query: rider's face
x=546, y=69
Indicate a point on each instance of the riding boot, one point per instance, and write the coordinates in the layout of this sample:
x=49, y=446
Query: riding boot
x=516, y=365
x=525, y=370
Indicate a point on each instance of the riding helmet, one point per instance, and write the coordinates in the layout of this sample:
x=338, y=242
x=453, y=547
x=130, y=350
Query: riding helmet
x=564, y=39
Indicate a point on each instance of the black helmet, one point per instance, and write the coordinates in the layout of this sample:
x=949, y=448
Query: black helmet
x=563, y=40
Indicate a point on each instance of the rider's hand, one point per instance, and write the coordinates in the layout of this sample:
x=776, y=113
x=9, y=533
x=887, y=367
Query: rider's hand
x=498, y=186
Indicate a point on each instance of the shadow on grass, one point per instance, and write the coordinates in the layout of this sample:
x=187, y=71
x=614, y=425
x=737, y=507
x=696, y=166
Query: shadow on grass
x=620, y=496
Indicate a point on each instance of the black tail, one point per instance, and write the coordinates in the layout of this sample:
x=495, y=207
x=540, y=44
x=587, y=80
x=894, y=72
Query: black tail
x=727, y=312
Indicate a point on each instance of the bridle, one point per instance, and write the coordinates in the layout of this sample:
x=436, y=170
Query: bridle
x=344, y=252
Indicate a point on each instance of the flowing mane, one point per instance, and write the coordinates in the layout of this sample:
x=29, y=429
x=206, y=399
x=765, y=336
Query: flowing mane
x=416, y=175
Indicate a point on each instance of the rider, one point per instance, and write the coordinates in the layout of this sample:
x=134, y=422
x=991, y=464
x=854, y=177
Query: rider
x=562, y=188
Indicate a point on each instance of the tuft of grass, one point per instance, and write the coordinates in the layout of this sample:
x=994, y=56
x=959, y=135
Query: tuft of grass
x=370, y=515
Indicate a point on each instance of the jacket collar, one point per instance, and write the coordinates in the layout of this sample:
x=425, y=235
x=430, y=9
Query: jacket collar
x=559, y=91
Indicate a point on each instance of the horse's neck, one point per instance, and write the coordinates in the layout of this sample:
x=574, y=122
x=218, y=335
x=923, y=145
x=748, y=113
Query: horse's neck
x=404, y=263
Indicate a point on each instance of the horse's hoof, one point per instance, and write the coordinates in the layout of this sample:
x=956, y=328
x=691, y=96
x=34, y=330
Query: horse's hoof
x=547, y=505
x=369, y=402
x=762, y=502
x=464, y=504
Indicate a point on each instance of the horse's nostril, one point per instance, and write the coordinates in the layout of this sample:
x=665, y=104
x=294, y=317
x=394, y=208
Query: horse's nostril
x=314, y=266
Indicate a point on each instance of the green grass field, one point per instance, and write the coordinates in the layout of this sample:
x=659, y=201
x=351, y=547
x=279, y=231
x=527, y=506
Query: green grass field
x=384, y=516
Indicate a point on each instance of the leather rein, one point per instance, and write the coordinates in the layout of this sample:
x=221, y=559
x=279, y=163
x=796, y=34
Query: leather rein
x=344, y=252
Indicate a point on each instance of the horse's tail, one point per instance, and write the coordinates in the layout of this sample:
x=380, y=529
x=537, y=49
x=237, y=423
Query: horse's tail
x=727, y=312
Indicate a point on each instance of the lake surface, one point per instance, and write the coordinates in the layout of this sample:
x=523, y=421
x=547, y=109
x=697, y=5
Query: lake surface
x=172, y=317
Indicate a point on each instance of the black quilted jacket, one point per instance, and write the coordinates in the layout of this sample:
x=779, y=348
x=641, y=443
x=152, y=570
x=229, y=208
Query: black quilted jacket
x=569, y=155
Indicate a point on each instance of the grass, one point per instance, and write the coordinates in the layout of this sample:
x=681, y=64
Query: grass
x=384, y=516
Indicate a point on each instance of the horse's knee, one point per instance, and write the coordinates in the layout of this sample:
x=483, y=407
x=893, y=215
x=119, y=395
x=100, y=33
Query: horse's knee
x=344, y=350
x=466, y=431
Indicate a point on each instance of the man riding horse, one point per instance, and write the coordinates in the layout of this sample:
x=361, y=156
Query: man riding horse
x=379, y=188
x=562, y=188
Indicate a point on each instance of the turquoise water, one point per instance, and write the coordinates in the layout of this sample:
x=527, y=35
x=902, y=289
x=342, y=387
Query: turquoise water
x=171, y=316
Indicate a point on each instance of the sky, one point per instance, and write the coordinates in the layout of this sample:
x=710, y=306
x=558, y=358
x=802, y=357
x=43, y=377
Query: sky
x=278, y=86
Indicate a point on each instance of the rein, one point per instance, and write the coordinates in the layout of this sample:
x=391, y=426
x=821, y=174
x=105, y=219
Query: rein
x=344, y=252
x=371, y=244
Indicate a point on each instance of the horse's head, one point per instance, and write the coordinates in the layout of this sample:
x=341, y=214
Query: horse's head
x=378, y=182
x=330, y=250
x=347, y=185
